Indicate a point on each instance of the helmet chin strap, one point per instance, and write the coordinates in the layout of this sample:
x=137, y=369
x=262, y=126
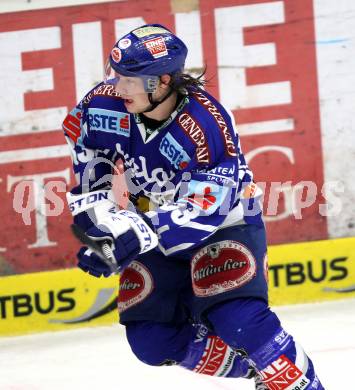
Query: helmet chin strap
x=155, y=104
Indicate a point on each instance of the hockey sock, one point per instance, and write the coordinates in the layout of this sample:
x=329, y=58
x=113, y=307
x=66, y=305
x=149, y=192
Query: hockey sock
x=250, y=324
x=208, y=354
x=192, y=347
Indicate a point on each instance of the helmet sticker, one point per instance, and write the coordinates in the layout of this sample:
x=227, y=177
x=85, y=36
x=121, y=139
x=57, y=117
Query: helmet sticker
x=116, y=54
x=149, y=30
x=156, y=47
x=124, y=43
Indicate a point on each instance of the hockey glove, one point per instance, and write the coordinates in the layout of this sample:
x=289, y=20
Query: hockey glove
x=127, y=234
x=91, y=263
x=88, y=208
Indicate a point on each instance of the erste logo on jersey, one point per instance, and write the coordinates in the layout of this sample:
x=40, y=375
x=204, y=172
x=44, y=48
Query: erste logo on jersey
x=109, y=121
x=221, y=267
x=136, y=284
x=71, y=124
x=174, y=152
x=197, y=136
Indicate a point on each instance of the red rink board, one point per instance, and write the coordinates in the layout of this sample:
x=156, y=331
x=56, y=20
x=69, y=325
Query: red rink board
x=296, y=63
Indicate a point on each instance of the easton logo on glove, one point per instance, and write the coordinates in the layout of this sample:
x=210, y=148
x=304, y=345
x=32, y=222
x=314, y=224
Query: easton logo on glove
x=82, y=202
x=147, y=238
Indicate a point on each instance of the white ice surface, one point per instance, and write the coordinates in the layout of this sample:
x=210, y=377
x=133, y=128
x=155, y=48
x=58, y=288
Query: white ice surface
x=100, y=358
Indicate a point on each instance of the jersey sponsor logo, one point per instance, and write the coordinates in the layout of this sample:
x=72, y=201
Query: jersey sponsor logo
x=116, y=54
x=222, y=174
x=217, y=359
x=227, y=137
x=282, y=374
x=174, y=152
x=156, y=47
x=101, y=90
x=71, y=124
x=204, y=200
x=197, y=136
x=205, y=196
x=136, y=284
x=109, y=121
x=223, y=170
x=149, y=30
x=221, y=267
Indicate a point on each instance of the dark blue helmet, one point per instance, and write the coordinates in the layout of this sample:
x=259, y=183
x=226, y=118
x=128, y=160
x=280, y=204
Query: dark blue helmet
x=150, y=50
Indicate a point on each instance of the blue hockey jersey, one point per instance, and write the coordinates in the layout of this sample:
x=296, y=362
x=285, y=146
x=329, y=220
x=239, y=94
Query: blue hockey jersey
x=191, y=169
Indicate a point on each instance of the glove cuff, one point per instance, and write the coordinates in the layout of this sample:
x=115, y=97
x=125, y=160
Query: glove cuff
x=123, y=220
x=82, y=202
x=147, y=237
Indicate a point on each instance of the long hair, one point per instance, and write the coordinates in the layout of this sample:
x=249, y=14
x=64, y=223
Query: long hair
x=183, y=82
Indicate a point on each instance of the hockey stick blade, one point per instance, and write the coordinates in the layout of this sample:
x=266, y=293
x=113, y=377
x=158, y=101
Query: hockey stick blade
x=101, y=249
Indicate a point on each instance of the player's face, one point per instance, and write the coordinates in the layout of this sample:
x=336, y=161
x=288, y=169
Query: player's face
x=137, y=103
x=128, y=86
x=133, y=91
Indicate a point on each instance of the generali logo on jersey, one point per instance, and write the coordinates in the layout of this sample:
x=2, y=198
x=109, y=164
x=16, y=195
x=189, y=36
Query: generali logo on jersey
x=221, y=267
x=196, y=134
x=227, y=137
x=135, y=286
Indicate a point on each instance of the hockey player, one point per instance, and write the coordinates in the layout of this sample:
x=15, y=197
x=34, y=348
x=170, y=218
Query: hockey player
x=190, y=247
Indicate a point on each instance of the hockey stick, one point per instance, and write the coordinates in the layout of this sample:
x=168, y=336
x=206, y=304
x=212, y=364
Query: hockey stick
x=100, y=248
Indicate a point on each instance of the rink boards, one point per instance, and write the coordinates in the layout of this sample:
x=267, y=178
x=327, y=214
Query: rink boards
x=56, y=300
